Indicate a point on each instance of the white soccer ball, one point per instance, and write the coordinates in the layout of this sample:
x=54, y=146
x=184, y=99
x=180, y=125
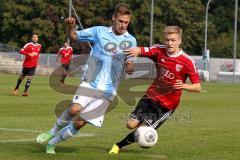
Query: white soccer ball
x=146, y=136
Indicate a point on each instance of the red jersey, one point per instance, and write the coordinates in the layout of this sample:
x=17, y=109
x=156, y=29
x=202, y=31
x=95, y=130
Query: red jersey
x=30, y=61
x=169, y=69
x=66, y=54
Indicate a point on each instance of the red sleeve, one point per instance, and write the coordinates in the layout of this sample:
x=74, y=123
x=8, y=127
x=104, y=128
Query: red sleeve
x=192, y=72
x=25, y=49
x=151, y=52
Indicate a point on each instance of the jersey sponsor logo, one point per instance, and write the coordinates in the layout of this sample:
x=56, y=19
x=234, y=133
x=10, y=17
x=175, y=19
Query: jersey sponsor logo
x=111, y=47
x=125, y=45
x=166, y=73
x=66, y=54
x=179, y=67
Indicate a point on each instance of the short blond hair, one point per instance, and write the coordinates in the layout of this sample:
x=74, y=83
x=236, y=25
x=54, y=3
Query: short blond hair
x=173, y=30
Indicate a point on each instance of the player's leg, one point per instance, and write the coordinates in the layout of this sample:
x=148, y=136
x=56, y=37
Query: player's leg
x=19, y=81
x=66, y=133
x=65, y=70
x=129, y=139
x=66, y=117
x=136, y=118
x=147, y=112
x=93, y=113
x=30, y=74
x=63, y=120
x=27, y=85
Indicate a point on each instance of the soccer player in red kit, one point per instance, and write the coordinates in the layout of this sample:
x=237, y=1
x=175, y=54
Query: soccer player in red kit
x=173, y=67
x=31, y=51
x=66, y=53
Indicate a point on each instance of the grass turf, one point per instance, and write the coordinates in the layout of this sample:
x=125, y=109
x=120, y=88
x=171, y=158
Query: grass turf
x=204, y=127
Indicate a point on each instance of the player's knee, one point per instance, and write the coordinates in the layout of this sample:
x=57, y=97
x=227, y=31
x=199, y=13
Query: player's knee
x=21, y=77
x=132, y=124
x=29, y=78
x=75, y=108
x=79, y=124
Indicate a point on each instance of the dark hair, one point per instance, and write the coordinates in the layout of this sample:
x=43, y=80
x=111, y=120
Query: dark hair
x=122, y=9
x=34, y=34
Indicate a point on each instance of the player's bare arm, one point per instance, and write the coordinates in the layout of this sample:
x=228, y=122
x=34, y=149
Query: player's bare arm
x=188, y=87
x=135, y=52
x=71, y=23
x=58, y=58
x=129, y=67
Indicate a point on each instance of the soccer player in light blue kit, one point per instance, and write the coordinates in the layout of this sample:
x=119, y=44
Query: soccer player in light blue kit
x=105, y=67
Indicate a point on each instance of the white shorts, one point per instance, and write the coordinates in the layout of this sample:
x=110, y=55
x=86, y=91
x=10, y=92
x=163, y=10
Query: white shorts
x=93, y=102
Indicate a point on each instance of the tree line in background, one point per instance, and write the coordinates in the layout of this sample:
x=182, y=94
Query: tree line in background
x=20, y=18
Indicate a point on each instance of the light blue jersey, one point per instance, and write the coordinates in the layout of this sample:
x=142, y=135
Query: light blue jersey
x=105, y=64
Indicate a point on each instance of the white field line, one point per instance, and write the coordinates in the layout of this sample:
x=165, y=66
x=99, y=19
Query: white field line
x=20, y=130
x=16, y=140
x=34, y=131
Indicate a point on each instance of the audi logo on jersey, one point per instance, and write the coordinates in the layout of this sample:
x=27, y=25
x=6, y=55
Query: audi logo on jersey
x=164, y=73
x=111, y=47
x=125, y=45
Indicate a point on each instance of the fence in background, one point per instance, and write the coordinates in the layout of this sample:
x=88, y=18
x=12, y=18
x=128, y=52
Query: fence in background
x=220, y=69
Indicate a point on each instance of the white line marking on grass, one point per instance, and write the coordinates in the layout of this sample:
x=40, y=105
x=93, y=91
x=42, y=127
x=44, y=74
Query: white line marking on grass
x=20, y=130
x=85, y=135
x=157, y=156
x=16, y=140
x=34, y=131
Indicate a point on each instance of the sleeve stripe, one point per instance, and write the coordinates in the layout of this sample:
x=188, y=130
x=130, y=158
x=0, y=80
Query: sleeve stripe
x=60, y=49
x=146, y=49
x=158, y=46
x=25, y=46
x=193, y=62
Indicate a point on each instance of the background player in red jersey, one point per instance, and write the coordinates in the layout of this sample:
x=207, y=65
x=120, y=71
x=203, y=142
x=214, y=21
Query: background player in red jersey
x=65, y=53
x=163, y=96
x=31, y=51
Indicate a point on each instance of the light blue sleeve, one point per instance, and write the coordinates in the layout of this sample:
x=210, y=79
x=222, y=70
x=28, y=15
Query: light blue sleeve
x=87, y=35
x=134, y=43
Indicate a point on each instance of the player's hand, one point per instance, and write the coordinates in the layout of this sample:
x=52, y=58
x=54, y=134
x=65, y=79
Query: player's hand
x=129, y=67
x=133, y=51
x=33, y=54
x=178, y=85
x=70, y=21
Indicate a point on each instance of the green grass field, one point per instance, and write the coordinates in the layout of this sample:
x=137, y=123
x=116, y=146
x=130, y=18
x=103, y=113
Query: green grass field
x=204, y=127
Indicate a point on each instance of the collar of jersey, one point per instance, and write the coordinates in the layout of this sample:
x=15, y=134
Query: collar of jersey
x=175, y=55
x=110, y=30
x=36, y=44
x=67, y=47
